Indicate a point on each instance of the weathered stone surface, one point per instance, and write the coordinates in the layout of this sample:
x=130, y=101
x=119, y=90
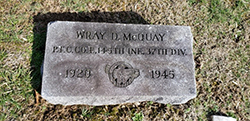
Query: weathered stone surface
x=104, y=63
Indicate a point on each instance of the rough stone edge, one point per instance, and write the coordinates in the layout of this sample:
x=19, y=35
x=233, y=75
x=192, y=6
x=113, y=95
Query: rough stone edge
x=113, y=100
x=119, y=24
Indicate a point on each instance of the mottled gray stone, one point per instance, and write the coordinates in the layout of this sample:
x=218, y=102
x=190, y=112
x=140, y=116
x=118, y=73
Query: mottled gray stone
x=104, y=63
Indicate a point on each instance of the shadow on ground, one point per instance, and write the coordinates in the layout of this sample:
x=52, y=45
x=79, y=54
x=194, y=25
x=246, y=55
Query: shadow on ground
x=40, y=22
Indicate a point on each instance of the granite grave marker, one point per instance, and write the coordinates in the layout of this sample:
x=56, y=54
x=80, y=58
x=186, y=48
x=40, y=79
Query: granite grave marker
x=107, y=63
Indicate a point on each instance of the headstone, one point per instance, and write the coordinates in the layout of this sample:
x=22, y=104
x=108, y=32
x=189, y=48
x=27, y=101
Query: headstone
x=105, y=63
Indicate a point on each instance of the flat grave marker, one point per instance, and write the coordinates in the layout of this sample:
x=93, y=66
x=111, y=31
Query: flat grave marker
x=107, y=63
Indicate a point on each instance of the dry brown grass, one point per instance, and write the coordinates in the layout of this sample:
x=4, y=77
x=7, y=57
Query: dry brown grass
x=221, y=52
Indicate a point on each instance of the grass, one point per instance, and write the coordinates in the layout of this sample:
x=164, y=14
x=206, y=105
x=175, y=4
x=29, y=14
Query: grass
x=138, y=117
x=221, y=30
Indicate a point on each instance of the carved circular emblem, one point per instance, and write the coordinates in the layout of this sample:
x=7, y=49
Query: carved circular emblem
x=121, y=74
